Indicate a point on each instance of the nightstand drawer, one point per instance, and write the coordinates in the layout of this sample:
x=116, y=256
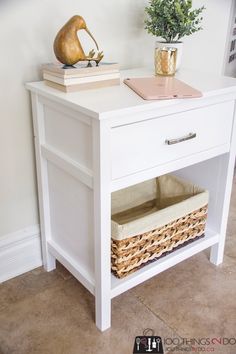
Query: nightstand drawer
x=143, y=145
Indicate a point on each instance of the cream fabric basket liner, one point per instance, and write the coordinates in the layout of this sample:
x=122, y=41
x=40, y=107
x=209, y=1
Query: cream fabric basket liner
x=153, y=204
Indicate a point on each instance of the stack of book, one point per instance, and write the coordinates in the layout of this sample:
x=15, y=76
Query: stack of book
x=81, y=76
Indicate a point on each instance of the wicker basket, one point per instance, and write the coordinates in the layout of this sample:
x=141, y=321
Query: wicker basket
x=154, y=218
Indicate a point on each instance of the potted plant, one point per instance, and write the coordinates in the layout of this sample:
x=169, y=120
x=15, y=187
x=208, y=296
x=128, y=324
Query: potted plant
x=172, y=20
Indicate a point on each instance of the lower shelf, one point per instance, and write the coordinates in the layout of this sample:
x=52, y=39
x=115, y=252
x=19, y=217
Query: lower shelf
x=118, y=286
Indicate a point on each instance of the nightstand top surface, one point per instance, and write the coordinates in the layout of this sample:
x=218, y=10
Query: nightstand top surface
x=105, y=102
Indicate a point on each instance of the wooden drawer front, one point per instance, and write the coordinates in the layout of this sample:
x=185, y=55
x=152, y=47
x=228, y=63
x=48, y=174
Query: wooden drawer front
x=143, y=145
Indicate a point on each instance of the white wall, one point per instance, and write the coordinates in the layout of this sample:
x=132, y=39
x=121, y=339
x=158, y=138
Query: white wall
x=205, y=50
x=230, y=66
x=27, y=30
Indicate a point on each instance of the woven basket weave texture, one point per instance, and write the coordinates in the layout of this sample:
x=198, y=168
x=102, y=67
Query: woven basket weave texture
x=130, y=253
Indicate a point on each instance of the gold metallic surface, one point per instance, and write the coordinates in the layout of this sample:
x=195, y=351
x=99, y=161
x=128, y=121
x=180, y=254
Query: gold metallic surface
x=165, y=61
x=67, y=47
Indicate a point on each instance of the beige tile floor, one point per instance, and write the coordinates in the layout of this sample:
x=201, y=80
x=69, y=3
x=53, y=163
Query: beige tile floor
x=51, y=313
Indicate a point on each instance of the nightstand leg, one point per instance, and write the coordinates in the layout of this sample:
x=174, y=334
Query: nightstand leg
x=102, y=224
x=102, y=304
x=102, y=266
x=49, y=261
x=217, y=253
x=223, y=203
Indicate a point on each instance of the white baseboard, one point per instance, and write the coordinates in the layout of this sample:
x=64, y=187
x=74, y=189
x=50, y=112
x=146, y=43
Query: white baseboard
x=20, y=252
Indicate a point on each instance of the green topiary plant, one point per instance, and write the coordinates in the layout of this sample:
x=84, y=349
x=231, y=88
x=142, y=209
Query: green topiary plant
x=172, y=19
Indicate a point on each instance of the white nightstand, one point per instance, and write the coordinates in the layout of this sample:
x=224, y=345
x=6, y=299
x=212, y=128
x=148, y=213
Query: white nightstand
x=91, y=143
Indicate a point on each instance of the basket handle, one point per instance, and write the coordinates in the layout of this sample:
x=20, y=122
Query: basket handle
x=180, y=140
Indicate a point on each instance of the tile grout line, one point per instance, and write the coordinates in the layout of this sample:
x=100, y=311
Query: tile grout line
x=157, y=316
x=139, y=298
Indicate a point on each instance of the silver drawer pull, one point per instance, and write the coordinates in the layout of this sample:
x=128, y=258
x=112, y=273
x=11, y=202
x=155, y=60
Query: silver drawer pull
x=180, y=140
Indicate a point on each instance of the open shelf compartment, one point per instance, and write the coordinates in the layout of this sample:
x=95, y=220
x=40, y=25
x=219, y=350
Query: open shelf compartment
x=118, y=286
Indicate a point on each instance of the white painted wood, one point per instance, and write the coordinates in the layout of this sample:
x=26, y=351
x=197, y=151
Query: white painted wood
x=20, y=252
x=225, y=187
x=59, y=126
x=134, y=115
x=208, y=175
x=120, y=100
x=66, y=111
x=127, y=134
x=83, y=174
x=140, y=146
x=73, y=266
x=43, y=194
x=168, y=167
x=216, y=175
x=118, y=286
x=71, y=210
x=102, y=224
x=223, y=193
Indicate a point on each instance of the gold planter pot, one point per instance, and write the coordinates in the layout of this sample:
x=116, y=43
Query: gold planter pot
x=165, y=61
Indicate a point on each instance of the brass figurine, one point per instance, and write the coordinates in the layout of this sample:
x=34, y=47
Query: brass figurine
x=67, y=47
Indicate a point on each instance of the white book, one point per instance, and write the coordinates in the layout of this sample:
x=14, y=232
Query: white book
x=81, y=80
x=80, y=68
x=80, y=75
